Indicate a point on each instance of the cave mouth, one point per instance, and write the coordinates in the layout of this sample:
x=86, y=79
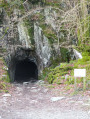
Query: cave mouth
x=25, y=71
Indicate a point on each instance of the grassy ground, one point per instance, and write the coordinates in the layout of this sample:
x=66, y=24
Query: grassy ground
x=64, y=73
x=4, y=78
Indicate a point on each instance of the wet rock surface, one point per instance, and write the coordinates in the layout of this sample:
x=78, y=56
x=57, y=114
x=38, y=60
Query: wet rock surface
x=37, y=101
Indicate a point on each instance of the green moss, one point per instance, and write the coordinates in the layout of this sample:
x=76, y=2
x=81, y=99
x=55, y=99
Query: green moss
x=10, y=5
x=51, y=36
x=56, y=73
x=49, y=33
x=84, y=39
x=21, y=8
x=55, y=62
x=68, y=87
x=47, y=29
x=3, y=50
x=64, y=54
x=83, y=63
x=44, y=74
x=51, y=86
x=31, y=34
x=57, y=81
x=54, y=3
x=30, y=27
x=4, y=87
x=41, y=17
x=6, y=78
x=6, y=6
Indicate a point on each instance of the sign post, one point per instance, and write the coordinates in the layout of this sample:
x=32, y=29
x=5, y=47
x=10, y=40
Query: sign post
x=80, y=73
x=84, y=83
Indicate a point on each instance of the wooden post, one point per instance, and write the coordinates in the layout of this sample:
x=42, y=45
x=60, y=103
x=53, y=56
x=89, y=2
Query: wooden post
x=80, y=73
x=75, y=84
x=84, y=83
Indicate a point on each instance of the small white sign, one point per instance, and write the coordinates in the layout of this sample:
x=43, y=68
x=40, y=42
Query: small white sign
x=79, y=72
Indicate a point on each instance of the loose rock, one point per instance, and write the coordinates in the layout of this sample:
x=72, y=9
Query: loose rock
x=53, y=99
x=6, y=95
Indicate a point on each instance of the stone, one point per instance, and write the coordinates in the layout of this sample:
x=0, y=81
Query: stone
x=43, y=48
x=40, y=82
x=25, y=83
x=81, y=102
x=45, y=90
x=86, y=104
x=4, y=75
x=6, y=95
x=34, y=90
x=33, y=87
x=77, y=54
x=19, y=89
x=54, y=99
x=33, y=101
x=89, y=112
x=72, y=101
x=23, y=34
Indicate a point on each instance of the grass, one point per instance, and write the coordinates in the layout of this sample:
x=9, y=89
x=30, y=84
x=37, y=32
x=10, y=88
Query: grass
x=56, y=75
x=4, y=77
x=4, y=87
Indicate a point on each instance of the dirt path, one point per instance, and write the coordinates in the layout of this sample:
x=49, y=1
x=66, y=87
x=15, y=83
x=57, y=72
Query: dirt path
x=35, y=101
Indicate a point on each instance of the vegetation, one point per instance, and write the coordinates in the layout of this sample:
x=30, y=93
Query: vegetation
x=72, y=23
x=80, y=30
x=58, y=74
x=4, y=77
x=30, y=27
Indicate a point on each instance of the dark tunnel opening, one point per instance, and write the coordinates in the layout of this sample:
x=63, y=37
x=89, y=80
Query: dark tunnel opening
x=25, y=71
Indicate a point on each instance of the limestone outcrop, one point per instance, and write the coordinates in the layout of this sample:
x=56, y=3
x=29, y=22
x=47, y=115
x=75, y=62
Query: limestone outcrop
x=34, y=37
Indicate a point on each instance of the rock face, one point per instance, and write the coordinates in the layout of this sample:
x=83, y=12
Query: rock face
x=77, y=54
x=43, y=48
x=18, y=39
x=50, y=16
x=19, y=46
x=23, y=35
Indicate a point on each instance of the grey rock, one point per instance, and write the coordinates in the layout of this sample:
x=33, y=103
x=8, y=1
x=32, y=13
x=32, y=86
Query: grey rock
x=40, y=82
x=54, y=99
x=25, y=83
x=6, y=95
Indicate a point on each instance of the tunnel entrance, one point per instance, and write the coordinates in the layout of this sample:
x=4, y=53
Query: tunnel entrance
x=26, y=70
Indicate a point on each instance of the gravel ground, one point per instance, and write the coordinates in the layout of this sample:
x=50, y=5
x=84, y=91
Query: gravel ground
x=36, y=101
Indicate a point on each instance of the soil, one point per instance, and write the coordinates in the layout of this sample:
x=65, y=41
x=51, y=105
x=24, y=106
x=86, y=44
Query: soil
x=39, y=101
